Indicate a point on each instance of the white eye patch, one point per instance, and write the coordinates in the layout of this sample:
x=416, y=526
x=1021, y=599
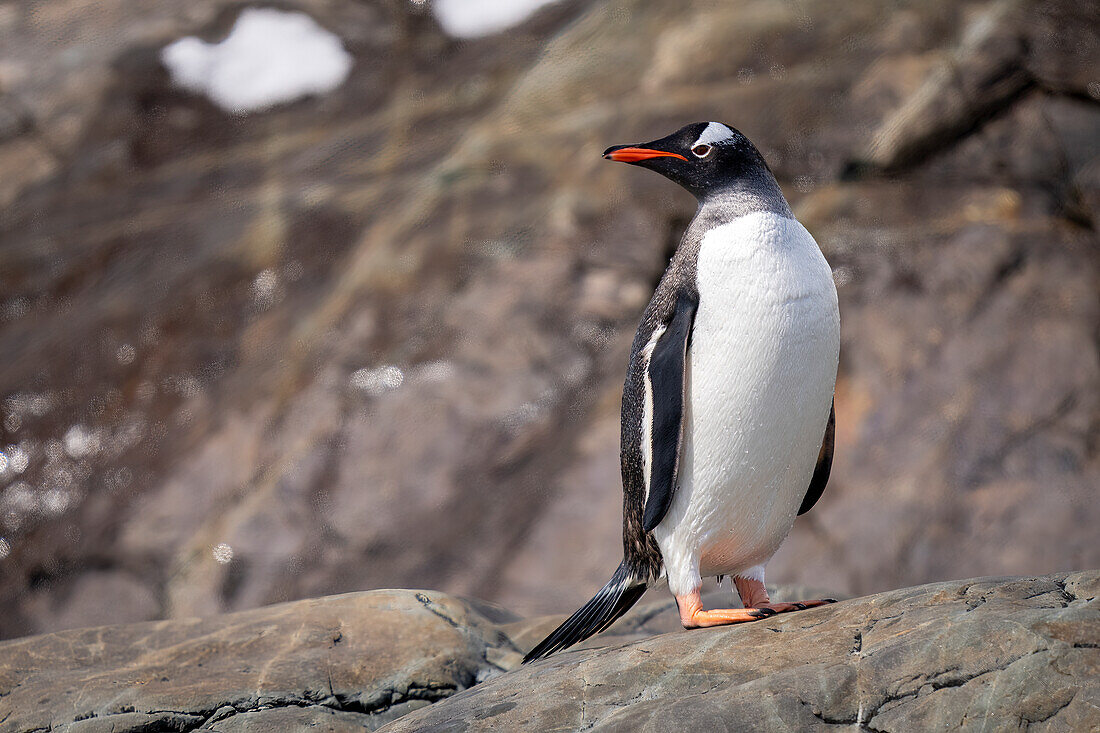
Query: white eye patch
x=714, y=133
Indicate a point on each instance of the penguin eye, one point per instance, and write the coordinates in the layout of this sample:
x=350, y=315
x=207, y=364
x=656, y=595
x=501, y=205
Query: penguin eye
x=701, y=151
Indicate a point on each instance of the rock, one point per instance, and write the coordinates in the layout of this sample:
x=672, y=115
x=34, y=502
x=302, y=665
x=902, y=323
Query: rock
x=96, y=598
x=656, y=613
x=192, y=304
x=978, y=654
x=983, y=75
x=337, y=663
x=986, y=654
x=293, y=718
x=1005, y=49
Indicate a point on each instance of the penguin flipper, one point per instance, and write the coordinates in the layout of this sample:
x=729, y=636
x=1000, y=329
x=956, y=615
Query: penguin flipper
x=824, y=466
x=667, y=383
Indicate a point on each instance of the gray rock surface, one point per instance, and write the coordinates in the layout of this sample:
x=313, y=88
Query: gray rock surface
x=991, y=654
x=377, y=338
x=988, y=654
x=336, y=663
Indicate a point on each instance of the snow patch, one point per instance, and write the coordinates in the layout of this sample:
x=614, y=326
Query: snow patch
x=378, y=381
x=473, y=18
x=269, y=58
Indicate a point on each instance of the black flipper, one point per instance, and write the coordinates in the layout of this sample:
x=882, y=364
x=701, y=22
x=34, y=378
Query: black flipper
x=613, y=600
x=824, y=465
x=666, y=376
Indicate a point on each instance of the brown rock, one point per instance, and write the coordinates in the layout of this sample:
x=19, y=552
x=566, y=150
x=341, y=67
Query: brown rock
x=978, y=78
x=216, y=301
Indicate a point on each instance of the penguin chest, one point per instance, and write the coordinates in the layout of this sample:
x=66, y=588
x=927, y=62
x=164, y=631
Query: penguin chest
x=761, y=371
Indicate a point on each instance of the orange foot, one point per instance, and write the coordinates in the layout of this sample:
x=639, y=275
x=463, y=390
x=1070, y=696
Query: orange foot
x=692, y=615
x=753, y=595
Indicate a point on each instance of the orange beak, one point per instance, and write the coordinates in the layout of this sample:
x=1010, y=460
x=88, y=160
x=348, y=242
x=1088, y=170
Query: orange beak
x=633, y=155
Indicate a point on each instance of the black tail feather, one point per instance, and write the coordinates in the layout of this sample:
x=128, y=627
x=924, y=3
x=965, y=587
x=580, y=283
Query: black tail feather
x=614, y=599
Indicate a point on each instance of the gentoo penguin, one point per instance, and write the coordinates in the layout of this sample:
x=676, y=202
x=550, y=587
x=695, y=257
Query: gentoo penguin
x=727, y=416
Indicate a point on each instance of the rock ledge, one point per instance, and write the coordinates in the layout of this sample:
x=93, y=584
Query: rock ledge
x=990, y=654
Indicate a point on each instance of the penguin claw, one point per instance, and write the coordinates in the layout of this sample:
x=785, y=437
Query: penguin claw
x=788, y=606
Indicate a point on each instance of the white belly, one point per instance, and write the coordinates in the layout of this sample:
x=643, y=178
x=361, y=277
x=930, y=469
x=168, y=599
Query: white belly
x=761, y=374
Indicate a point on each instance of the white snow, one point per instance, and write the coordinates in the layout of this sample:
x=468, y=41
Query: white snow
x=378, y=381
x=223, y=553
x=472, y=18
x=270, y=57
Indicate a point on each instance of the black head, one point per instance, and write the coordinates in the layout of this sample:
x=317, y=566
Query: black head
x=705, y=158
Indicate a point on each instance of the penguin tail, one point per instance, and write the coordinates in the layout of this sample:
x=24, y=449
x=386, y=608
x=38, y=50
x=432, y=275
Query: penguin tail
x=612, y=601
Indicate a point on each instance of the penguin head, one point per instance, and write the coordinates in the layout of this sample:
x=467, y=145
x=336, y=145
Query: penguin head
x=704, y=158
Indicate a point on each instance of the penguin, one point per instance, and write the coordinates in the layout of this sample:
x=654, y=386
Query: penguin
x=727, y=410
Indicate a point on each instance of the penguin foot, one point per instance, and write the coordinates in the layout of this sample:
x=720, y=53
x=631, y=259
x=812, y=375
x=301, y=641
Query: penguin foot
x=754, y=595
x=692, y=615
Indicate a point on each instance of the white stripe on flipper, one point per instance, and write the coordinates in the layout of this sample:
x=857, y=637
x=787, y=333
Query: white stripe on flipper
x=647, y=410
x=714, y=133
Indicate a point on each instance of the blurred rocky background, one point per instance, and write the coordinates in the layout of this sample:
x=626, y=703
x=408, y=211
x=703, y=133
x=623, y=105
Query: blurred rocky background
x=256, y=347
